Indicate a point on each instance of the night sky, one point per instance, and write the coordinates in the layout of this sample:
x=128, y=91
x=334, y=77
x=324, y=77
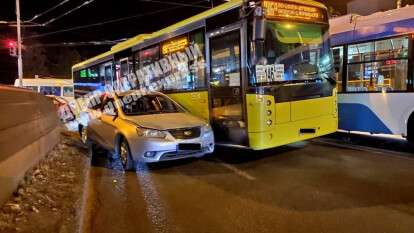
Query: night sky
x=96, y=12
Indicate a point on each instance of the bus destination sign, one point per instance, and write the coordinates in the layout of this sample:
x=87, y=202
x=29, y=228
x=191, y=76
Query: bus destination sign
x=289, y=10
x=174, y=45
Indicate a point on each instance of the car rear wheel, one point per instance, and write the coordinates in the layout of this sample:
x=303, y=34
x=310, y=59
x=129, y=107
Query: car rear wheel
x=125, y=156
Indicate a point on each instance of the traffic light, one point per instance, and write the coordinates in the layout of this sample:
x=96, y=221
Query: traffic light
x=12, y=48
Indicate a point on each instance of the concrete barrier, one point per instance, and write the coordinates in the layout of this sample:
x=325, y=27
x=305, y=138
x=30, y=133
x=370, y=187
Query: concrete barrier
x=29, y=129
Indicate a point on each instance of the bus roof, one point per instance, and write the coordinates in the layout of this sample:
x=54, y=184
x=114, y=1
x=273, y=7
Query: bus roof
x=355, y=28
x=204, y=15
x=45, y=81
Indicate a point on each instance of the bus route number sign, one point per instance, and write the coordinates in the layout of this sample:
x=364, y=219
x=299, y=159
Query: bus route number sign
x=288, y=10
x=270, y=73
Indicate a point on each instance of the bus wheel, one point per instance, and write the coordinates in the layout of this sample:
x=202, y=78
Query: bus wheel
x=410, y=129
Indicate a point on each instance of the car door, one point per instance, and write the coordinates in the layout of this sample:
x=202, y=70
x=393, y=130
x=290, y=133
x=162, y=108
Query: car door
x=105, y=126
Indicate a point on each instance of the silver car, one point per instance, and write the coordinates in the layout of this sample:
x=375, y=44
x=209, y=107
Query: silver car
x=148, y=128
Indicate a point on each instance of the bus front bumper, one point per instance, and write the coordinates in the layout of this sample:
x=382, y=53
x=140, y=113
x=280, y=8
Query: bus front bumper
x=291, y=132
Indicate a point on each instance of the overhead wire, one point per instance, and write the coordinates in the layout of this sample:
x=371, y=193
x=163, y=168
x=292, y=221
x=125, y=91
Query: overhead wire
x=81, y=43
x=104, y=22
x=175, y=3
x=47, y=11
x=68, y=12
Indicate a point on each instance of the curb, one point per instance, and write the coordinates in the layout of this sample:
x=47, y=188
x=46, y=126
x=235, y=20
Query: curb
x=84, y=201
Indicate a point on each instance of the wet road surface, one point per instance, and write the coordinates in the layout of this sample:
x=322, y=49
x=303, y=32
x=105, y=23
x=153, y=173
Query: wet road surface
x=305, y=187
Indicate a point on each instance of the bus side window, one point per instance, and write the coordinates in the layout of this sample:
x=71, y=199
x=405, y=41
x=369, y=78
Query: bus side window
x=50, y=90
x=33, y=88
x=109, y=79
x=68, y=92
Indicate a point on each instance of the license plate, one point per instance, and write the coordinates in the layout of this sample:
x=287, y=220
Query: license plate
x=189, y=146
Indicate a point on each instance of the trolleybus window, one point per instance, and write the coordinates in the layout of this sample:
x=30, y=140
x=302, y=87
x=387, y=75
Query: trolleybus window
x=300, y=51
x=378, y=66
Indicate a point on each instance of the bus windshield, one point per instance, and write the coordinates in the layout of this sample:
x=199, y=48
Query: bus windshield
x=297, y=51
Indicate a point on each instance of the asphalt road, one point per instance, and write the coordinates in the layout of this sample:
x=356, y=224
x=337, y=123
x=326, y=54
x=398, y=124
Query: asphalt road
x=306, y=187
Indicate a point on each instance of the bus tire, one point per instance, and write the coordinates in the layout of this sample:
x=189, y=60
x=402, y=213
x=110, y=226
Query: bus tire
x=410, y=129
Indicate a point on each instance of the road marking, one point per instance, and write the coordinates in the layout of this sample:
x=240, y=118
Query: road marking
x=236, y=170
x=382, y=152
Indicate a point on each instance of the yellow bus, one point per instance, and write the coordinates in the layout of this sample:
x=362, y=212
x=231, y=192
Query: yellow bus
x=267, y=75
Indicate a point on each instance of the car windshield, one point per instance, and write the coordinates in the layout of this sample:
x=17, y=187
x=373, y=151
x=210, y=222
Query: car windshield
x=295, y=51
x=151, y=104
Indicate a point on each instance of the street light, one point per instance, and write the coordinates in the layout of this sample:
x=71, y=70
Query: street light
x=19, y=45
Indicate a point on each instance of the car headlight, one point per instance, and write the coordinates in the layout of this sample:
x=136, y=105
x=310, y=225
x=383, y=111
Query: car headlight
x=151, y=133
x=207, y=129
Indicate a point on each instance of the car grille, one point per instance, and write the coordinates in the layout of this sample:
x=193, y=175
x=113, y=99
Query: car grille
x=188, y=133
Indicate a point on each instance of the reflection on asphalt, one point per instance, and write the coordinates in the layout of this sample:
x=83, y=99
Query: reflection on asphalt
x=304, y=187
x=390, y=143
x=153, y=202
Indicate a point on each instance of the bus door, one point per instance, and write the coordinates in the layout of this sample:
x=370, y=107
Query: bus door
x=226, y=86
x=124, y=67
x=109, y=76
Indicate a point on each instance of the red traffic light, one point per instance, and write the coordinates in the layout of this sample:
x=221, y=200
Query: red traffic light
x=11, y=44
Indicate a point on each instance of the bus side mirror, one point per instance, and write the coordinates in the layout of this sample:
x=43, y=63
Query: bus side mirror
x=259, y=25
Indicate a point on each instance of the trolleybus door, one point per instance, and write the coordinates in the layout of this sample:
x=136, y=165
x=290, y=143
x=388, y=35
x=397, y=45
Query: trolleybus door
x=226, y=86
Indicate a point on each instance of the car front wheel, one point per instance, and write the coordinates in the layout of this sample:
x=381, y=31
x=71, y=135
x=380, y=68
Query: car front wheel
x=125, y=156
x=84, y=135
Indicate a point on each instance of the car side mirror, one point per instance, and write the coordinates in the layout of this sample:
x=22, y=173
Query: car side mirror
x=111, y=112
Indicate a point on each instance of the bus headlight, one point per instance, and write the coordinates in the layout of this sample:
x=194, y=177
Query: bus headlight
x=269, y=112
x=151, y=133
x=269, y=122
x=268, y=102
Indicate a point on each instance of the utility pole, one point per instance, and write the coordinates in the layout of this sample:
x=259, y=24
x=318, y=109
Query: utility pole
x=19, y=45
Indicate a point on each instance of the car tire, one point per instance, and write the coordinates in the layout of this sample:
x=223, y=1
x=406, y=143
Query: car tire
x=410, y=129
x=92, y=151
x=124, y=155
x=83, y=132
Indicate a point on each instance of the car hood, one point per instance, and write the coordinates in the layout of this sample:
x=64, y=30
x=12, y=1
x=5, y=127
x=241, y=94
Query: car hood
x=166, y=121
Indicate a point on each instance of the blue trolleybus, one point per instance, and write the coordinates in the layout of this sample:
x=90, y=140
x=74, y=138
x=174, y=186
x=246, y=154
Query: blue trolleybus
x=373, y=58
